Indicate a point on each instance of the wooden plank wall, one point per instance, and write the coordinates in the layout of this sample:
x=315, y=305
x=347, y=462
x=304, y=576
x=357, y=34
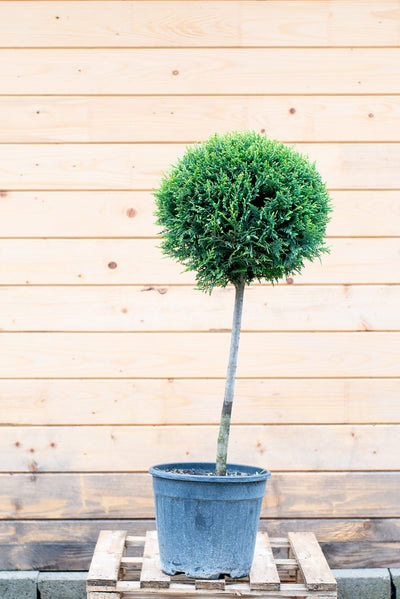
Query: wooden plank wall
x=110, y=361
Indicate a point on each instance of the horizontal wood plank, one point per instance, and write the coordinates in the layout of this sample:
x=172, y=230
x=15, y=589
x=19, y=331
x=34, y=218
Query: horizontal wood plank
x=197, y=401
x=177, y=119
x=139, y=166
x=362, y=555
x=357, y=213
x=76, y=166
x=192, y=24
x=201, y=71
x=77, y=556
x=69, y=532
x=90, y=213
x=198, y=355
x=77, y=497
x=136, y=448
x=364, y=213
x=69, y=544
x=181, y=308
x=141, y=262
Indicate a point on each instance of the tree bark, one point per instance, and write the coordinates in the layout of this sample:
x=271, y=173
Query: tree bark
x=225, y=422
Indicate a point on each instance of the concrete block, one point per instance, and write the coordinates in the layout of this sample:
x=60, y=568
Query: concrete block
x=62, y=585
x=395, y=574
x=368, y=583
x=18, y=585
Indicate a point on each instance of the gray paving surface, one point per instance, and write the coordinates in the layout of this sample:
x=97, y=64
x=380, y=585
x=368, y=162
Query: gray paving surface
x=368, y=583
x=371, y=583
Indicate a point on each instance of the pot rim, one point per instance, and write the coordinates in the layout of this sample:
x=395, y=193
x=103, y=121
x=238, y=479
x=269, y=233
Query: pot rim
x=254, y=474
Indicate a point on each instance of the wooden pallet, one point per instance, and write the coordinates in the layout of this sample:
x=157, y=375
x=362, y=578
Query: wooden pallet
x=125, y=566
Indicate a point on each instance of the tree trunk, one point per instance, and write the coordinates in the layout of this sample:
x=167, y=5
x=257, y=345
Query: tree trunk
x=225, y=422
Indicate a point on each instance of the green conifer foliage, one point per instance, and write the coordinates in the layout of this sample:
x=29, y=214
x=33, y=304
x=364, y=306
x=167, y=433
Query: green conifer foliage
x=238, y=208
x=241, y=205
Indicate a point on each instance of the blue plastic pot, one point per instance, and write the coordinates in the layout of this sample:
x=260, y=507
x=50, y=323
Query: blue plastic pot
x=207, y=525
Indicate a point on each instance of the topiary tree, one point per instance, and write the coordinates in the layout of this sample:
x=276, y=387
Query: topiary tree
x=238, y=208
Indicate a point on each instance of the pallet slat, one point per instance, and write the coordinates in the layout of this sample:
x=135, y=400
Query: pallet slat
x=135, y=541
x=133, y=563
x=217, y=585
x=264, y=574
x=312, y=562
x=151, y=575
x=105, y=566
x=130, y=588
x=100, y=595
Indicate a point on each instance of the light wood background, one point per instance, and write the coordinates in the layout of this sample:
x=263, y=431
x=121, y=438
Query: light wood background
x=110, y=361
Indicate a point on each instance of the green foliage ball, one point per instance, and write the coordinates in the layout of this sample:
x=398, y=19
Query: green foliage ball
x=241, y=207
